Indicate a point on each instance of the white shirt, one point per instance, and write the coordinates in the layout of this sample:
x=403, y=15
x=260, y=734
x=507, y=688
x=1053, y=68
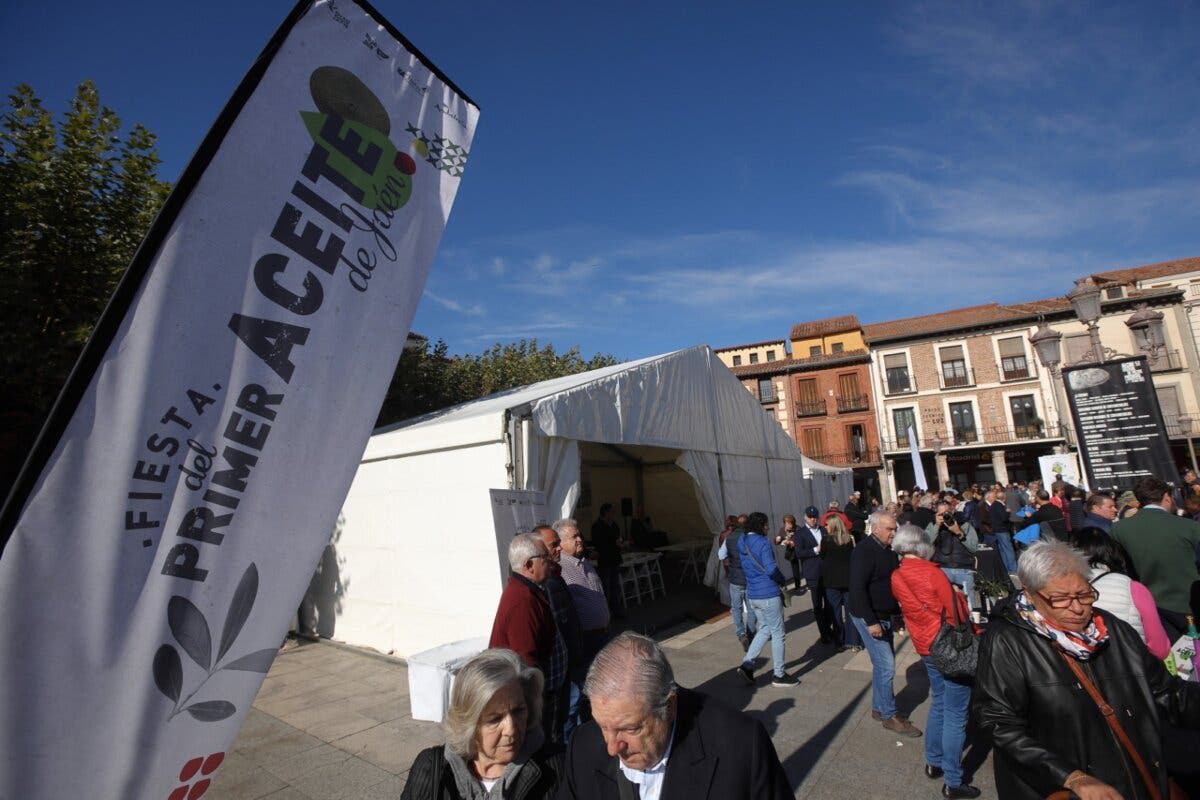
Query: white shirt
x=650, y=781
x=816, y=532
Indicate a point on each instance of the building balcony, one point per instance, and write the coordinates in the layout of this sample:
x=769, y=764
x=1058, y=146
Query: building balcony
x=817, y=408
x=1019, y=374
x=1167, y=360
x=956, y=381
x=981, y=437
x=900, y=386
x=768, y=397
x=869, y=457
x=855, y=403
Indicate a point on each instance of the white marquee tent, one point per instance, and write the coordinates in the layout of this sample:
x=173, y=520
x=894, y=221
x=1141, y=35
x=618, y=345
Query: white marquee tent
x=415, y=553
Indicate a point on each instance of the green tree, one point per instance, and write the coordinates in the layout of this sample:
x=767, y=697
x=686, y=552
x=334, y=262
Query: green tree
x=427, y=380
x=76, y=198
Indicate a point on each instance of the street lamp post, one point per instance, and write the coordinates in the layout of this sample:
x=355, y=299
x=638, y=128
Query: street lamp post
x=1085, y=302
x=1147, y=328
x=939, y=462
x=1047, y=343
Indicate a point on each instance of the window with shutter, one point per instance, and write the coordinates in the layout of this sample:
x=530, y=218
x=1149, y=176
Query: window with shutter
x=1168, y=402
x=808, y=401
x=1013, y=362
x=896, y=373
x=954, y=367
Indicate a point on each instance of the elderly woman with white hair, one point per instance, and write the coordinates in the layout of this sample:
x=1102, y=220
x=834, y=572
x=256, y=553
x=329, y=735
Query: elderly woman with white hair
x=926, y=598
x=1069, y=695
x=493, y=735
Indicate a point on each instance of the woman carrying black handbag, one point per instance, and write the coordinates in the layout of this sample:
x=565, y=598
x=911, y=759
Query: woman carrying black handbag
x=928, y=602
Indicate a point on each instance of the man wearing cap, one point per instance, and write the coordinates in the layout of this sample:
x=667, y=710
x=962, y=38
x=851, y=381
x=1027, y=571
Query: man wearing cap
x=806, y=544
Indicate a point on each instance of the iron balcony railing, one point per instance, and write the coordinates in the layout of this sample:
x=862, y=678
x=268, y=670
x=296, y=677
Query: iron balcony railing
x=856, y=402
x=866, y=457
x=1167, y=360
x=814, y=408
x=1026, y=372
x=899, y=384
x=980, y=436
x=956, y=380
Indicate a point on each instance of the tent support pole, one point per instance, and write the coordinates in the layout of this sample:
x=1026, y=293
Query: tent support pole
x=712, y=394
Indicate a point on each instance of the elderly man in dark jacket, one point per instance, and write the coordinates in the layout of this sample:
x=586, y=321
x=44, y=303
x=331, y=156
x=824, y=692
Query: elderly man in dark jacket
x=872, y=605
x=651, y=738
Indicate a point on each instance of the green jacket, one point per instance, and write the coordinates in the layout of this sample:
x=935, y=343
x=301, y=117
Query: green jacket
x=1164, y=549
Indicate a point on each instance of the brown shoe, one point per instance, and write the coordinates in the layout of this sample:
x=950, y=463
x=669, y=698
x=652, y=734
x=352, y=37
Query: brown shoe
x=902, y=727
x=875, y=715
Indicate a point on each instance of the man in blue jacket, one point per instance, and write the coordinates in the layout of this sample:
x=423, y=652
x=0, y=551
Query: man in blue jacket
x=763, y=582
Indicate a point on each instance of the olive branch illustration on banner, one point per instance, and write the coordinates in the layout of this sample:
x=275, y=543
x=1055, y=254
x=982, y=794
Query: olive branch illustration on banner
x=190, y=629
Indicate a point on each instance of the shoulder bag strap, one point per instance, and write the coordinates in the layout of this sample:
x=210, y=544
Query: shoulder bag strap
x=757, y=563
x=1110, y=717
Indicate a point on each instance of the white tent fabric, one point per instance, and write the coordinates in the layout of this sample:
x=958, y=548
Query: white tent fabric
x=439, y=468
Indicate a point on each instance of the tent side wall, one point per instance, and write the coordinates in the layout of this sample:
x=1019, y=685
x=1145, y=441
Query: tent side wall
x=417, y=552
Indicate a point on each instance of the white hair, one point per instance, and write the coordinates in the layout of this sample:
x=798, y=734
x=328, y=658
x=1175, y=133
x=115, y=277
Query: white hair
x=878, y=517
x=911, y=540
x=1045, y=561
x=633, y=664
x=562, y=525
x=522, y=548
x=474, y=687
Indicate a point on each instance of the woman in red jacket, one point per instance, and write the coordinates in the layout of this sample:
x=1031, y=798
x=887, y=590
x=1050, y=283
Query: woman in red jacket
x=925, y=595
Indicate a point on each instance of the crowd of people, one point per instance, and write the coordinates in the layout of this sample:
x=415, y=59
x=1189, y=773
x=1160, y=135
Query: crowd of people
x=1069, y=685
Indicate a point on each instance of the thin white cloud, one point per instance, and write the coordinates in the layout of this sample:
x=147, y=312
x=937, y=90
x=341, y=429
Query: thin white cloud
x=474, y=310
x=530, y=331
x=1005, y=209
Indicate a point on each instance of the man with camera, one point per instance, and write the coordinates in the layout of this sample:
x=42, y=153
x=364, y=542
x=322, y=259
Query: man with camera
x=952, y=536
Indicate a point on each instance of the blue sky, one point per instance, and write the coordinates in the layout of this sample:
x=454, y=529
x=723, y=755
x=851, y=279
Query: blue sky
x=648, y=176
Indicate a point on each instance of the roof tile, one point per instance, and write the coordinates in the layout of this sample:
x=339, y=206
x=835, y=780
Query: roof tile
x=824, y=327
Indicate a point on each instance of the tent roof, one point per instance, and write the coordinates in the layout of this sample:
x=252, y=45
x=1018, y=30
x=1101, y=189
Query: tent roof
x=685, y=400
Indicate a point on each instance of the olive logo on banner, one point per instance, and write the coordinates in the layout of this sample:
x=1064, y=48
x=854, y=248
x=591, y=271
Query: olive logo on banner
x=379, y=171
x=191, y=631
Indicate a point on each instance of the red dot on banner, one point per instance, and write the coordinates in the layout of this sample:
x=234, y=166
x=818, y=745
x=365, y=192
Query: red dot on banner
x=404, y=163
x=190, y=769
x=178, y=794
x=211, y=763
x=200, y=788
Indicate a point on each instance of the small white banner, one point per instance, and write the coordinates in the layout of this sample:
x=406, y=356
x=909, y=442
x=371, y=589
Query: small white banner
x=172, y=524
x=1061, y=467
x=918, y=468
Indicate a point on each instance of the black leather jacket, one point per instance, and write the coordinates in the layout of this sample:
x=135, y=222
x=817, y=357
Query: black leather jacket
x=1044, y=726
x=949, y=551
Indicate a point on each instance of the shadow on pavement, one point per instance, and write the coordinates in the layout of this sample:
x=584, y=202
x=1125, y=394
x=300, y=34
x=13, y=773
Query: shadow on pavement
x=916, y=689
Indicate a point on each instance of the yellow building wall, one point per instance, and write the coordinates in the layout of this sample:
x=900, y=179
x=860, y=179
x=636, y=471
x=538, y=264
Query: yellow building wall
x=780, y=348
x=850, y=340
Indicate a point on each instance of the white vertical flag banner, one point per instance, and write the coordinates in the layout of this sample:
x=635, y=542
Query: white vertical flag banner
x=167, y=523
x=918, y=468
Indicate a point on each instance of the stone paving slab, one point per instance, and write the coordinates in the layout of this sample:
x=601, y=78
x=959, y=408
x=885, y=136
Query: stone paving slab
x=334, y=723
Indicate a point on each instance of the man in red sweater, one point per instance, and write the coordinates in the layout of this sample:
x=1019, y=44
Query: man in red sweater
x=525, y=624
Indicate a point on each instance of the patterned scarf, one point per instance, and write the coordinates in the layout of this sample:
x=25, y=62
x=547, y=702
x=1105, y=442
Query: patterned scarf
x=1080, y=645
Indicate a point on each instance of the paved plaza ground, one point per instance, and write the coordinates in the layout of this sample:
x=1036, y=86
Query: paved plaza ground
x=333, y=723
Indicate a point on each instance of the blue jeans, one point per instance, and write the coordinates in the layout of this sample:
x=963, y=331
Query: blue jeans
x=883, y=666
x=737, y=594
x=966, y=579
x=946, y=729
x=770, y=625
x=1007, y=555
x=844, y=632
x=575, y=717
